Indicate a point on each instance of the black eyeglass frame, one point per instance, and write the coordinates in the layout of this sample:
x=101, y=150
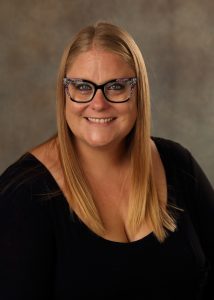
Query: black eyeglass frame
x=66, y=81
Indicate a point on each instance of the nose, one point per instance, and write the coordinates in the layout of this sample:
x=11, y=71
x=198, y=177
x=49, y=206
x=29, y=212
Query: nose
x=99, y=101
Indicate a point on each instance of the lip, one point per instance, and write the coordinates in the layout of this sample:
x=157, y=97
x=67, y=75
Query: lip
x=100, y=120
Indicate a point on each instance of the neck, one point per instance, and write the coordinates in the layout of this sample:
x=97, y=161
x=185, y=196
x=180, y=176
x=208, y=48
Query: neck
x=102, y=159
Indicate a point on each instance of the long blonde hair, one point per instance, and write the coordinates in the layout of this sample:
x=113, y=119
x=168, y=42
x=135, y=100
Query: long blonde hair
x=144, y=201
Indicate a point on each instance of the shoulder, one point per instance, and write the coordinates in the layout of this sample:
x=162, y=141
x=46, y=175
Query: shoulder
x=25, y=189
x=170, y=146
x=179, y=160
x=23, y=204
x=182, y=164
x=29, y=171
x=174, y=153
x=20, y=175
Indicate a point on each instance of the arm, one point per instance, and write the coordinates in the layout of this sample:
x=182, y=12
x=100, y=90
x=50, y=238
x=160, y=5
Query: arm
x=202, y=215
x=196, y=195
x=26, y=247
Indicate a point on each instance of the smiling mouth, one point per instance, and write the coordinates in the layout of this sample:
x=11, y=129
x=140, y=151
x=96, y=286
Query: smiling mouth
x=100, y=120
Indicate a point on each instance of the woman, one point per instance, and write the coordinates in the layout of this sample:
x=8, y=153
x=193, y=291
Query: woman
x=103, y=209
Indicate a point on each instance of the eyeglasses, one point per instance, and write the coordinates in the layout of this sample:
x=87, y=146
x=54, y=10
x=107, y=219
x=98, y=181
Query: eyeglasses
x=83, y=91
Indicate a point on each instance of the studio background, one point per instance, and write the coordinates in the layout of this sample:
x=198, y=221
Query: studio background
x=176, y=38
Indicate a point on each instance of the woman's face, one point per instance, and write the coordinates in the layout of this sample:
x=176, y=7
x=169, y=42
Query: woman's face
x=100, y=123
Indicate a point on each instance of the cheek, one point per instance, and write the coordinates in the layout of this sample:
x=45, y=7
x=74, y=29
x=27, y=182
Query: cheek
x=72, y=111
x=71, y=115
x=129, y=118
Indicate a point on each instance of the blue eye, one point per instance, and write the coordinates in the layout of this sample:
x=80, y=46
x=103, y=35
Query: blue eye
x=116, y=86
x=83, y=87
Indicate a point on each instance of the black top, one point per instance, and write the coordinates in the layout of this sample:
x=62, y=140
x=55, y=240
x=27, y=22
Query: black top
x=47, y=253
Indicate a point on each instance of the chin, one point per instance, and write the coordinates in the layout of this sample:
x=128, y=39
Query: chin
x=98, y=140
x=98, y=144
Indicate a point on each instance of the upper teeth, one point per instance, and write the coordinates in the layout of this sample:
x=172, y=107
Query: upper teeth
x=101, y=120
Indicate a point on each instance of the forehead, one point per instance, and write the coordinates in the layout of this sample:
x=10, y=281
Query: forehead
x=99, y=66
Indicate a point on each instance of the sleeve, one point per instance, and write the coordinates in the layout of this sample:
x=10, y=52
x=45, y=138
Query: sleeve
x=26, y=248
x=197, y=196
x=202, y=215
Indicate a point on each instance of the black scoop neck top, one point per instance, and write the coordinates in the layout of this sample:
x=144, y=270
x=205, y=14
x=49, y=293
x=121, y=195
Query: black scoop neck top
x=46, y=252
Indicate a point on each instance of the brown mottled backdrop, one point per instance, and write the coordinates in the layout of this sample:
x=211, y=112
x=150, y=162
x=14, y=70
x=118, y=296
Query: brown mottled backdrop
x=177, y=40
